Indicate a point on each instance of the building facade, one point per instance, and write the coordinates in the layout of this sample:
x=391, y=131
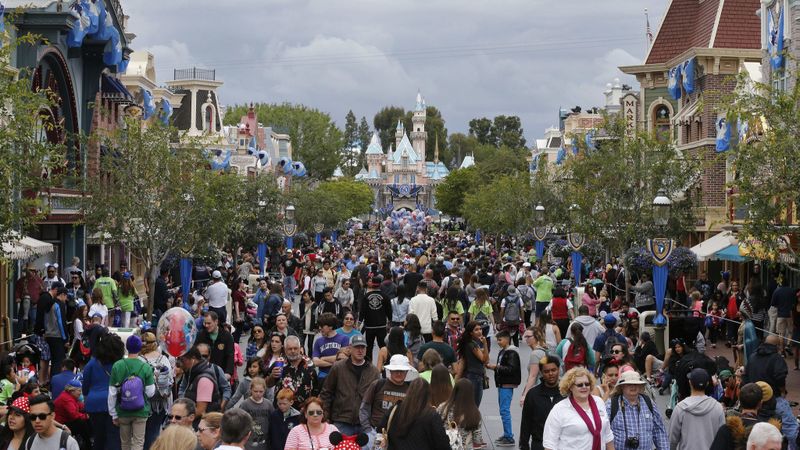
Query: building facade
x=401, y=177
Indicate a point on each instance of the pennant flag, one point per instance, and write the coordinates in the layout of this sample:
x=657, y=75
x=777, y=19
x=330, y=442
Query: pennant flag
x=589, y=140
x=649, y=32
x=575, y=148
x=560, y=156
x=687, y=75
x=673, y=84
x=149, y=105
x=723, y=135
x=166, y=111
x=775, y=40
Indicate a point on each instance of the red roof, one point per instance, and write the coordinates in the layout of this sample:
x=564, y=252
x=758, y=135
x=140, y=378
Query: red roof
x=690, y=23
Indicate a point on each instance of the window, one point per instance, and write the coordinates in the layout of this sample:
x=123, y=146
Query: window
x=241, y=142
x=413, y=179
x=661, y=123
x=396, y=178
x=208, y=122
x=779, y=80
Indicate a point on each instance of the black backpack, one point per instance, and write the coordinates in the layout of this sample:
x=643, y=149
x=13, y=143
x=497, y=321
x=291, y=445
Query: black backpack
x=693, y=360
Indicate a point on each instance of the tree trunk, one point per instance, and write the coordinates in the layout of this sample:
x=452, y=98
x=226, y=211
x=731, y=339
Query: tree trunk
x=154, y=271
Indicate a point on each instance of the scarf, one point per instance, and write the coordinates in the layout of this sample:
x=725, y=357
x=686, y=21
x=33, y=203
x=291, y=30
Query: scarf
x=594, y=428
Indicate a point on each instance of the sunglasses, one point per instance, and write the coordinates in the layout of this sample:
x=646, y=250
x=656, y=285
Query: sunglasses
x=42, y=416
x=204, y=356
x=582, y=385
x=314, y=412
x=616, y=352
x=171, y=417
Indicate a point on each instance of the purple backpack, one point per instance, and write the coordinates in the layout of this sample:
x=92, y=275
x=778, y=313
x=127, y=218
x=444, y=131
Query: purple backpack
x=131, y=393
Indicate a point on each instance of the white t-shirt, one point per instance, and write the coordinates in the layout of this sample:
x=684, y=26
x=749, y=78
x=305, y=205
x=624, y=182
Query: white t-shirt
x=564, y=428
x=53, y=442
x=217, y=294
x=99, y=308
x=424, y=306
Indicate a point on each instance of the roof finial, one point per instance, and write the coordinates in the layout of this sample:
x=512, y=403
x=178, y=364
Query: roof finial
x=436, y=150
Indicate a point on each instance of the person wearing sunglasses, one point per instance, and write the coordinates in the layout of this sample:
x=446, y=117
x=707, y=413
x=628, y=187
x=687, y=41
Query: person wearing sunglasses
x=182, y=413
x=48, y=435
x=581, y=419
x=314, y=430
x=209, y=430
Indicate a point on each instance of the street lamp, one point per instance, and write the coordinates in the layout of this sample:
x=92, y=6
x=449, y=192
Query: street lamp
x=660, y=248
x=539, y=231
x=289, y=226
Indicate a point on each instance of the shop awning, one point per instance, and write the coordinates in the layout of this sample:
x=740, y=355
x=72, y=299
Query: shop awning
x=26, y=247
x=731, y=253
x=113, y=90
x=707, y=249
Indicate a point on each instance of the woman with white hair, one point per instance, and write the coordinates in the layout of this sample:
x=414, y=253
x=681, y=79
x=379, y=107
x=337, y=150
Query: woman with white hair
x=764, y=436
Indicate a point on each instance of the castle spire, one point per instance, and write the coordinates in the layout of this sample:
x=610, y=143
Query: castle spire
x=436, y=150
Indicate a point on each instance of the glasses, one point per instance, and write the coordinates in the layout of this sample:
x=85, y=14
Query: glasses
x=258, y=331
x=616, y=352
x=204, y=356
x=42, y=416
x=348, y=318
x=455, y=319
x=582, y=385
x=314, y=412
x=203, y=430
x=171, y=417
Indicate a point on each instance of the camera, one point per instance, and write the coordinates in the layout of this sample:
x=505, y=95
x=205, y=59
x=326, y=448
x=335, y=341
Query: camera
x=632, y=442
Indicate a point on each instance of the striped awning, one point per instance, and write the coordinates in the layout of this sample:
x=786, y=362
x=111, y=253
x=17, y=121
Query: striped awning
x=26, y=247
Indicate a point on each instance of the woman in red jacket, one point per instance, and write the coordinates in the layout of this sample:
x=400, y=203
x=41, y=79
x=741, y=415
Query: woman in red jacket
x=561, y=310
x=69, y=411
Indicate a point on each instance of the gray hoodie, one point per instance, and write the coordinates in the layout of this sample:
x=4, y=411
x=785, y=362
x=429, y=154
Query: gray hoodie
x=694, y=423
x=591, y=328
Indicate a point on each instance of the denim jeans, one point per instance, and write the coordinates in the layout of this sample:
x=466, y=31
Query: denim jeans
x=153, y=428
x=477, y=385
x=504, y=396
x=349, y=429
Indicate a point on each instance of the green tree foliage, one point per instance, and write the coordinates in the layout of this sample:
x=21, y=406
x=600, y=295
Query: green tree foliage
x=501, y=161
x=502, y=206
x=316, y=141
x=330, y=203
x=157, y=199
x=502, y=131
x=767, y=166
x=257, y=211
x=385, y=123
x=451, y=191
x=461, y=146
x=25, y=152
x=614, y=187
x=364, y=136
x=350, y=158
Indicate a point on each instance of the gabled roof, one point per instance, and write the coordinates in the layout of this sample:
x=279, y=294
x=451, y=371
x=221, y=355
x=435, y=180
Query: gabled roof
x=436, y=170
x=468, y=161
x=706, y=24
x=374, y=147
x=405, y=149
x=362, y=174
x=337, y=172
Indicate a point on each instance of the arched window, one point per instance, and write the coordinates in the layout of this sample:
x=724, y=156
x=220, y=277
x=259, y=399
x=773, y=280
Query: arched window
x=209, y=125
x=661, y=123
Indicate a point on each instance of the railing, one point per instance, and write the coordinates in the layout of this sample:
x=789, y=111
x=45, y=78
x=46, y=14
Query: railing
x=195, y=74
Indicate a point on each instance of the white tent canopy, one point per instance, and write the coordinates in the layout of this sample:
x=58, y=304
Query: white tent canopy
x=25, y=247
x=707, y=249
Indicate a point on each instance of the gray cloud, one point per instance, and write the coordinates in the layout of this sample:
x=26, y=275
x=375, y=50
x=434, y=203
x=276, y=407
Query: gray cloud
x=469, y=58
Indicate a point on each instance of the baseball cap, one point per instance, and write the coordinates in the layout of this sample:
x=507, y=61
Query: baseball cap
x=699, y=378
x=216, y=275
x=610, y=319
x=358, y=340
x=527, y=264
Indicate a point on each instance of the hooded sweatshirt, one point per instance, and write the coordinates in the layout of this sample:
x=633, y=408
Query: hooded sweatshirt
x=694, y=423
x=591, y=328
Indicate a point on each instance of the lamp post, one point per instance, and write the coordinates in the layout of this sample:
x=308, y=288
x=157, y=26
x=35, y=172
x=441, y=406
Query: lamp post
x=289, y=226
x=186, y=260
x=262, y=246
x=539, y=230
x=575, y=241
x=660, y=248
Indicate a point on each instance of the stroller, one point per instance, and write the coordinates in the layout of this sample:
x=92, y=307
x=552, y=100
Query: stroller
x=24, y=350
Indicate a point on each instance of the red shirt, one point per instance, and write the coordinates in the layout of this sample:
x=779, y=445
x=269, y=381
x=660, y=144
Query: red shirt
x=559, y=309
x=68, y=408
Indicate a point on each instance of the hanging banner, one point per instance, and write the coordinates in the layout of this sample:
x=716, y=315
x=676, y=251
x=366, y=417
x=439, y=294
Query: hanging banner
x=723, y=135
x=660, y=248
x=262, y=258
x=539, y=250
x=334, y=236
x=660, y=275
x=478, y=236
x=318, y=239
x=289, y=242
x=577, y=263
x=576, y=240
x=687, y=75
x=674, y=82
x=186, y=280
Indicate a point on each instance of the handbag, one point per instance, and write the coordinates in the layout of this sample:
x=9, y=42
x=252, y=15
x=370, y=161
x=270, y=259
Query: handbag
x=485, y=382
x=384, y=444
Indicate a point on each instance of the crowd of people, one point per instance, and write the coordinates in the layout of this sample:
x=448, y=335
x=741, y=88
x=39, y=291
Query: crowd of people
x=388, y=344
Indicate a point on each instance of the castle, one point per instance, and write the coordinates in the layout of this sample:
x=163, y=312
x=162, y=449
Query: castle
x=403, y=178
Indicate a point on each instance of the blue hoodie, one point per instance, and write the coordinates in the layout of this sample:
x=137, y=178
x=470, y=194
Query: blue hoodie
x=95, y=386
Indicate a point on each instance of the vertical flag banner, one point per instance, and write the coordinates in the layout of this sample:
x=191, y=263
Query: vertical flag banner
x=723, y=135
x=660, y=249
x=674, y=82
x=577, y=263
x=561, y=155
x=186, y=280
x=262, y=258
x=539, y=250
x=775, y=38
x=687, y=74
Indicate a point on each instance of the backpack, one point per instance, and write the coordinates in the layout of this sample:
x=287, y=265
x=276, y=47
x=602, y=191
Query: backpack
x=62, y=442
x=611, y=341
x=131, y=392
x=454, y=436
x=512, y=313
x=161, y=375
x=574, y=359
x=685, y=365
x=617, y=399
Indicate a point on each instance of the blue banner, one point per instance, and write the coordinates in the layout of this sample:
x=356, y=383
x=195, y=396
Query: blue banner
x=660, y=275
x=577, y=263
x=478, y=236
x=334, y=235
x=318, y=239
x=262, y=257
x=289, y=241
x=674, y=82
x=186, y=280
x=723, y=142
x=539, y=250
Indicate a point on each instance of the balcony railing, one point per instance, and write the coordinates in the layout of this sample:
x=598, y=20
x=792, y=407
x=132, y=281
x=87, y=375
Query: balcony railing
x=195, y=74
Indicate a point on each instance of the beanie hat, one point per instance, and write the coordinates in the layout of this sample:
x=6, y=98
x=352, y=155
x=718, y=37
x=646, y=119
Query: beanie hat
x=133, y=344
x=766, y=390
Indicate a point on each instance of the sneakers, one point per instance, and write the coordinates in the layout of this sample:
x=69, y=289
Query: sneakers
x=479, y=445
x=505, y=442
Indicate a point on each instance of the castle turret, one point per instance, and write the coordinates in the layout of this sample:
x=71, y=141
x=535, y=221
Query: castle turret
x=375, y=156
x=398, y=135
x=418, y=134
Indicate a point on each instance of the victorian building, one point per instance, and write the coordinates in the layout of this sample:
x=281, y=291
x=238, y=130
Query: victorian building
x=401, y=176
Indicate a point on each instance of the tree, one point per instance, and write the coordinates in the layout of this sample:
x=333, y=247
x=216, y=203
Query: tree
x=451, y=191
x=461, y=146
x=316, y=141
x=330, y=203
x=481, y=129
x=503, y=206
x=26, y=151
x=157, y=199
x=507, y=131
x=500, y=161
x=614, y=186
x=257, y=210
x=350, y=156
x=766, y=182
x=364, y=136
x=385, y=123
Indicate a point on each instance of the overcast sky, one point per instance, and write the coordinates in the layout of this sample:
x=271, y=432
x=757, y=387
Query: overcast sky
x=469, y=58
